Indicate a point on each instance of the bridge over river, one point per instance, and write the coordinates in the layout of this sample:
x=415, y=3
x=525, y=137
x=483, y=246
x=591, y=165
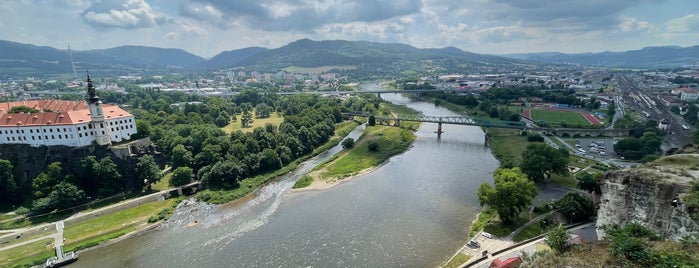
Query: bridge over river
x=488, y=123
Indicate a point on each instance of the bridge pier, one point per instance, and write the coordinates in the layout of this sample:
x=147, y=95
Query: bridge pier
x=486, y=136
x=439, y=130
x=396, y=122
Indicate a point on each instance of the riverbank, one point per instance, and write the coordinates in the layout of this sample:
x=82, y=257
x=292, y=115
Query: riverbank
x=84, y=230
x=361, y=159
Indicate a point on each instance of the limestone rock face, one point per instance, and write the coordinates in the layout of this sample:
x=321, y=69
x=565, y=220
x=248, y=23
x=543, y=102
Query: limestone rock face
x=644, y=195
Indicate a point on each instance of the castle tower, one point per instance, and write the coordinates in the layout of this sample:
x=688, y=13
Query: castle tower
x=97, y=123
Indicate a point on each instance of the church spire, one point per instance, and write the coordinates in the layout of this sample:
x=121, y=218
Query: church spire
x=91, y=90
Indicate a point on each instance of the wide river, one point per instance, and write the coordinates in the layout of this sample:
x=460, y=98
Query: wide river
x=414, y=211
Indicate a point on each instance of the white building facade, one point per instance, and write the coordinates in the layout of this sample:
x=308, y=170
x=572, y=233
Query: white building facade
x=69, y=123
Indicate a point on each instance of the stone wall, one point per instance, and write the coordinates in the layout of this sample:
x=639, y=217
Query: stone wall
x=645, y=195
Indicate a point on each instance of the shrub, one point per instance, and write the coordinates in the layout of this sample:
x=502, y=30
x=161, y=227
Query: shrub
x=535, y=138
x=348, y=143
x=373, y=146
x=21, y=211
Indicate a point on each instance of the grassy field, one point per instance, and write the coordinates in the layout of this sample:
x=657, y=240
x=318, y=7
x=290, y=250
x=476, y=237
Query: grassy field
x=85, y=234
x=274, y=118
x=391, y=140
x=457, y=261
x=305, y=181
x=484, y=217
x=569, y=117
x=507, y=144
x=164, y=183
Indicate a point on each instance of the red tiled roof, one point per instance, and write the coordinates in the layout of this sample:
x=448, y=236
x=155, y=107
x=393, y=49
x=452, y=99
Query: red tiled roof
x=53, y=105
x=62, y=113
x=508, y=263
x=687, y=90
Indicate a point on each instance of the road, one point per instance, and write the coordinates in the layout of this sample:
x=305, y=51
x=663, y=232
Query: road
x=529, y=247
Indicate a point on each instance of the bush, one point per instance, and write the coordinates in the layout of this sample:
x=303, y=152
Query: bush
x=542, y=209
x=348, y=143
x=373, y=146
x=21, y=211
x=535, y=138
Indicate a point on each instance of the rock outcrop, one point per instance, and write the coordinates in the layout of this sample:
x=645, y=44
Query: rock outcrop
x=650, y=195
x=29, y=161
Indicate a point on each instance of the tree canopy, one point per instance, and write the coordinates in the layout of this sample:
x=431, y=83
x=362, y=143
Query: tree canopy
x=540, y=159
x=512, y=193
x=181, y=176
x=557, y=239
x=148, y=171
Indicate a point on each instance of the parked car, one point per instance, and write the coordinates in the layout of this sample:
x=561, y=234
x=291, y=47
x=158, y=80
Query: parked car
x=473, y=244
x=487, y=235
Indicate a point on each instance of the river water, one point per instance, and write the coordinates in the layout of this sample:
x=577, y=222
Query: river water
x=414, y=211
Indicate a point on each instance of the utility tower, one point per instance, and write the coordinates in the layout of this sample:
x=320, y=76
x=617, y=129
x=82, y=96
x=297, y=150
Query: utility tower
x=72, y=63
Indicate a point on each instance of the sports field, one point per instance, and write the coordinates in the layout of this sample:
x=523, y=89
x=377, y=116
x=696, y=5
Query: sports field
x=558, y=116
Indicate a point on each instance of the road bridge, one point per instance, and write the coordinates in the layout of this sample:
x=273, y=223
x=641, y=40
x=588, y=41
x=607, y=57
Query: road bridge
x=396, y=120
x=354, y=92
x=454, y=120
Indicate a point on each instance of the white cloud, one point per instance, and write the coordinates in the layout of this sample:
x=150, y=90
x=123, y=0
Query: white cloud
x=122, y=14
x=686, y=24
x=185, y=31
x=627, y=24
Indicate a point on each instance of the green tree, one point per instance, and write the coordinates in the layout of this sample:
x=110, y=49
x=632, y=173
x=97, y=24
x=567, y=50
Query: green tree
x=588, y=182
x=221, y=121
x=263, y=110
x=371, y=121
x=246, y=119
x=224, y=174
x=66, y=195
x=8, y=185
x=143, y=129
x=181, y=157
x=45, y=182
x=512, y=193
x=181, y=176
x=557, y=239
x=348, y=143
x=109, y=177
x=148, y=171
x=575, y=206
x=269, y=160
x=540, y=159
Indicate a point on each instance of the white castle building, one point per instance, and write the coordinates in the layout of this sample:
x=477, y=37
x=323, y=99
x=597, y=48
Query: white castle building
x=70, y=123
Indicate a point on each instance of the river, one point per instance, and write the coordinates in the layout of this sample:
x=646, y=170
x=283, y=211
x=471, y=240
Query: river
x=414, y=211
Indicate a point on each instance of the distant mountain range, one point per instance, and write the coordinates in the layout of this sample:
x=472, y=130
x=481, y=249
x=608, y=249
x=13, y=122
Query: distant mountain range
x=648, y=57
x=17, y=58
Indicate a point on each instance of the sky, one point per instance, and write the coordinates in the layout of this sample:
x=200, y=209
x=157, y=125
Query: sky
x=208, y=27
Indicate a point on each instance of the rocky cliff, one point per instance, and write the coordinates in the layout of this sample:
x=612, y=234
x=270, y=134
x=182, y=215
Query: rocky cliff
x=650, y=195
x=29, y=161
